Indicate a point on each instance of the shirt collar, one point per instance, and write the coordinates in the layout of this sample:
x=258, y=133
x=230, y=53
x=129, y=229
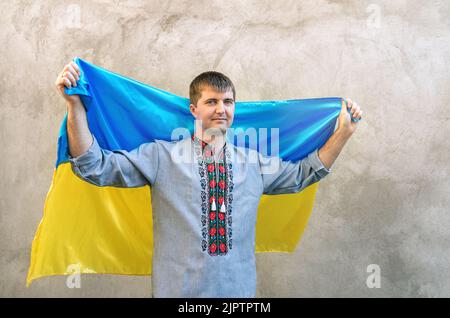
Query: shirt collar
x=204, y=144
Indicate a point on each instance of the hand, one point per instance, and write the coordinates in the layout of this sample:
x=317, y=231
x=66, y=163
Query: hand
x=68, y=78
x=345, y=124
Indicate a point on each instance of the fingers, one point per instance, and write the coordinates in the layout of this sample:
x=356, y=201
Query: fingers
x=351, y=105
x=354, y=108
x=348, y=103
x=69, y=76
x=76, y=67
x=66, y=82
x=359, y=115
x=72, y=71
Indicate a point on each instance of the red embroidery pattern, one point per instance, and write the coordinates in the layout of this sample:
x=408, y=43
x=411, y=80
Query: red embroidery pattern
x=215, y=191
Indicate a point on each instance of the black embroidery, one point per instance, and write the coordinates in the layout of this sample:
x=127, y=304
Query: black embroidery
x=229, y=195
x=212, y=221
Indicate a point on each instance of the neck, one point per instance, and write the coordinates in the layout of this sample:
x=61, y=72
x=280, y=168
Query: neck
x=215, y=140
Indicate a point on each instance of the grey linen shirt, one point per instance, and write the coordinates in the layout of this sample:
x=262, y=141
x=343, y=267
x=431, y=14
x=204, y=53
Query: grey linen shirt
x=176, y=171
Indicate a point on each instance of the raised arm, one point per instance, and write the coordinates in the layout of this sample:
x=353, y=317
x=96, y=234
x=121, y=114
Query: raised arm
x=293, y=176
x=346, y=127
x=89, y=161
x=79, y=135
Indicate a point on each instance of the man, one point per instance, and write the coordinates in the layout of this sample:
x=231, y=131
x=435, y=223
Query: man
x=204, y=210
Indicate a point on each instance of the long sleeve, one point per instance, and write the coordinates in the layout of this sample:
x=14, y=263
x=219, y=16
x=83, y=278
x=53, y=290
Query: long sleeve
x=281, y=176
x=119, y=168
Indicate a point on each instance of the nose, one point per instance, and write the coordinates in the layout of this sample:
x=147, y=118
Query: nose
x=220, y=109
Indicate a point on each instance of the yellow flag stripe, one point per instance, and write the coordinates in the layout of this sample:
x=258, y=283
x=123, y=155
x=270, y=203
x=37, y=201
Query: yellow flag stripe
x=109, y=230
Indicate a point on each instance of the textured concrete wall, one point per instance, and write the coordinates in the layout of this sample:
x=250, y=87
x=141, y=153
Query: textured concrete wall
x=387, y=200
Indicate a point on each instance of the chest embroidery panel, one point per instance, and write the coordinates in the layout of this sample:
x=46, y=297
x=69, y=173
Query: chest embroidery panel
x=216, y=181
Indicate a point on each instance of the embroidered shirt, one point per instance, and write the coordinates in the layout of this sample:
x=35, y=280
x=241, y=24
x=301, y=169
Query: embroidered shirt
x=204, y=210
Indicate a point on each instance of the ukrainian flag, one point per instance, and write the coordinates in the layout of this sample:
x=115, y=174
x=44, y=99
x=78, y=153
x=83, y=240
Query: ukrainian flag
x=108, y=230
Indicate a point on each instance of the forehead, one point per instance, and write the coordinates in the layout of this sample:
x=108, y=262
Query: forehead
x=210, y=92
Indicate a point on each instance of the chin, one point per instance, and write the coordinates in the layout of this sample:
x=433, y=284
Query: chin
x=221, y=127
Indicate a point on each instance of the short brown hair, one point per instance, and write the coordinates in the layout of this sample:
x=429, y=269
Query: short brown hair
x=216, y=80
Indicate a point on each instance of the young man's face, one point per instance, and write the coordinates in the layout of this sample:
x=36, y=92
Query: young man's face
x=214, y=109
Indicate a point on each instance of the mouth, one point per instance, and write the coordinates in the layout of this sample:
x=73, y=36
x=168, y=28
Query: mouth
x=219, y=119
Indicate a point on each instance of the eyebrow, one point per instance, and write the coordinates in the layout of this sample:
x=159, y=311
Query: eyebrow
x=227, y=99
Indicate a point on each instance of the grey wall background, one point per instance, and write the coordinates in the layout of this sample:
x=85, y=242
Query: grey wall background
x=387, y=200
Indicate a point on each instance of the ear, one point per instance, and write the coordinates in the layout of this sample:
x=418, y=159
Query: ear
x=193, y=110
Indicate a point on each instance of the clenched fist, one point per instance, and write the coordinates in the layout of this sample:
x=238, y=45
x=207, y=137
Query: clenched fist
x=349, y=110
x=68, y=78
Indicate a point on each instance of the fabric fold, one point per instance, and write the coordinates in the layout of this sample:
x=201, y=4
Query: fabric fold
x=109, y=229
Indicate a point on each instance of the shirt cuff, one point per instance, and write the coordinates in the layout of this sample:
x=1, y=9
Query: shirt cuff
x=90, y=155
x=317, y=164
